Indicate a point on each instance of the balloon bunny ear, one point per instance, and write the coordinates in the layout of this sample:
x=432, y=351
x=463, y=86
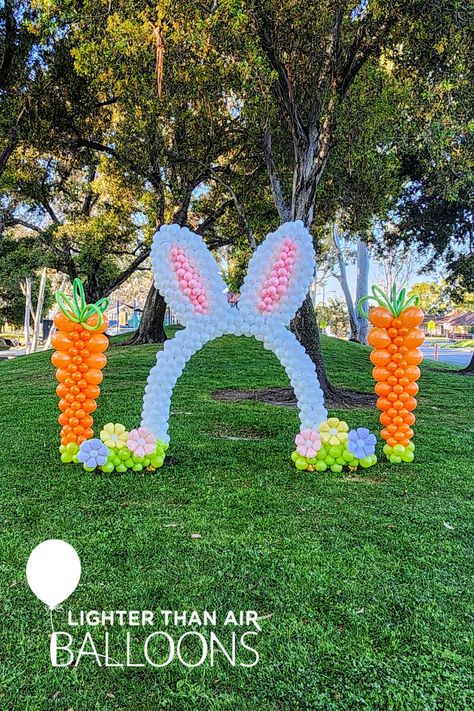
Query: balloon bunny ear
x=186, y=274
x=279, y=275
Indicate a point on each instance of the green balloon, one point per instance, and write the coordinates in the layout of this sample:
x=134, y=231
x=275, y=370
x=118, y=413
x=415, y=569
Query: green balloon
x=408, y=457
x=348, y=456
x=330, y=461
x=137, y=467
x=320, y=466
x=335, y=452
x=374, y=459
x=62, y=448
x=336, y=468
x=321, y=454
x=121, y=468
x=301, y=464
x=89, y=469
x=65, y=458
x=410, y=447
x=116, y=461
x=129, y=463
x=341, y=461
x=123, y=453
x=108, y=467
x=366, y=462
x=387, y=450
x=398, y=450
x=294, y=455
x=395, y=459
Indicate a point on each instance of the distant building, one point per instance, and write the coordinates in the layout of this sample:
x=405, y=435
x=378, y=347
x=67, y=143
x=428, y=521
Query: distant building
x=452, y=325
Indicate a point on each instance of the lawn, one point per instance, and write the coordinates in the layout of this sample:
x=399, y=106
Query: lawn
x=365, y=582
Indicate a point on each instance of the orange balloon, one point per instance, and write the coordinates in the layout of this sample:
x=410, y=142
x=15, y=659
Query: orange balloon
x=383, y=404
x=414, y=338
x=61, y=375
x=87, y=421
x=412, y=372
x=69, y=397
x=62, y=322
x=392, y=348
x=88, y=433
x=411, y=317
x=71, y=437
x=382, y=388
x=398, y=421
x=93, y=376
x=392, y=412
x=80, y=439
x=380, y=317
x=397, y=358
x=60, y=359
x=80, y=397
x=63, y=404
x=380, y=357
x=92, y=321
x=392, y=429
x=91, y=392
x=392, y=380
x=385, y=434
x=392, y=332
x=398, y=389
x=380, y=373
x=89, y=405
x=392, y=396
x=412, y=388
x=385, y=418
x=60, y=341
x=411, y=403
x=79, y=429
x=62, y=390
x=97, y=343
x=392, y=367
x=378, y=338
x=96, y=360
x=414, y=357
x=399, y=436
x=403, y=427
x=63, y=419
x=392, y=441
x=409, y=418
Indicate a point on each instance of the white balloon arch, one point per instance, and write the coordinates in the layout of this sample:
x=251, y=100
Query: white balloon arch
x=278, y=278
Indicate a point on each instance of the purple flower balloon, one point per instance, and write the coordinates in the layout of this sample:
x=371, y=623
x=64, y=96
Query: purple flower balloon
x=93, y=453
x=361, y=443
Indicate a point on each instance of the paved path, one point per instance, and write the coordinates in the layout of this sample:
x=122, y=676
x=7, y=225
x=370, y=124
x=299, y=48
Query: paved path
x=454, y=356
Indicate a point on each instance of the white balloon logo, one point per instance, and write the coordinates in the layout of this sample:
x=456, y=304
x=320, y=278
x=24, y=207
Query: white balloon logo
x=53, y=571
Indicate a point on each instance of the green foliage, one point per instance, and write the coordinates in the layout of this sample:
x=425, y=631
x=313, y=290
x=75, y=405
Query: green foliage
x=334, y=315
x=19, y=259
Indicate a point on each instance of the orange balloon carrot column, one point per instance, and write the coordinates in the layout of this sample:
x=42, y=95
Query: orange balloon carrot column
x=79, y=344
x=395, y=339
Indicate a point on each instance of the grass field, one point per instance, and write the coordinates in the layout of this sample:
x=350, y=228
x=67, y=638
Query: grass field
x=365, y=582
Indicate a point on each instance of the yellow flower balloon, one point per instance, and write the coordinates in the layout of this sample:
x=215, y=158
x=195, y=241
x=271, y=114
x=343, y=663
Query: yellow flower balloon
x=334, y=431
x=114, y=436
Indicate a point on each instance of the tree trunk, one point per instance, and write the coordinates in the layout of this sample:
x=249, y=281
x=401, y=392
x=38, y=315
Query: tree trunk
x=39, y=309
x=353, y=325
x=362, y=289
x=306, y=330
x=151, y=328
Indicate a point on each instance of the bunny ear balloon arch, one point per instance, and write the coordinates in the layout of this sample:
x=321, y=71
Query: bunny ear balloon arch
x=186, y=274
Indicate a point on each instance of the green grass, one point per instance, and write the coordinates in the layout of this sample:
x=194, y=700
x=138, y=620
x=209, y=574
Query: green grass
x=367, y=592
x=465, y=343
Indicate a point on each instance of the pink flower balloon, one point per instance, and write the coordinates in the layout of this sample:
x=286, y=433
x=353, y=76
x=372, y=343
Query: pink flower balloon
x=308, y=443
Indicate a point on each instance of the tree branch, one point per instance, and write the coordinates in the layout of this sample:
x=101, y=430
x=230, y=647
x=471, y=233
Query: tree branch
x=239, y=207
x=212, y=219
x=275, y=181
x=123, y=276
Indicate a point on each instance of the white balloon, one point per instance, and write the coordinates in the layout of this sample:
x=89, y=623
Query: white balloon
x=53, y=571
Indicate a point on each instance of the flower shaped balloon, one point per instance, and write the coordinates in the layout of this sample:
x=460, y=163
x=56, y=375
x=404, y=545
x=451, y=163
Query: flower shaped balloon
x=114, y=436
x=141, y=441
x=361, y=443
x=333, y=431
x=93, y=453
x=308, y=443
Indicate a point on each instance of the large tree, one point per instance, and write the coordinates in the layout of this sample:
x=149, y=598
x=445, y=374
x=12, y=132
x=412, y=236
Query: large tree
x=301, y=64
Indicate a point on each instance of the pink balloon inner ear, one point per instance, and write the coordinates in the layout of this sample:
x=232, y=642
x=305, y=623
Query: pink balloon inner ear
x=189, y=281
x=278, y=281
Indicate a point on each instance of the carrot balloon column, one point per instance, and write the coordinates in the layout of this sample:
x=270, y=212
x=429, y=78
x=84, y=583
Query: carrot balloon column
x=79, y=344
x=395, y=339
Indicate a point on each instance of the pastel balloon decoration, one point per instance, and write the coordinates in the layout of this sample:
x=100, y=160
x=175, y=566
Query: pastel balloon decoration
x=278, y=278
x=395, y=339
x=277, y=281
x=79, y=344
